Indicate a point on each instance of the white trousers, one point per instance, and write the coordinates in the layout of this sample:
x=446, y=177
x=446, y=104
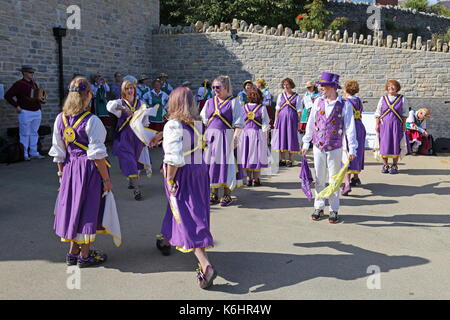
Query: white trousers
x=326, y=162
x=29, y=122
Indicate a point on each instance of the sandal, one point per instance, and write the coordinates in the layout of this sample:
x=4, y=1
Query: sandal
x=226, y=200
x=205, y=278
x=257, y=182
x=213, y=198
x=385, y=169
x=249, y=182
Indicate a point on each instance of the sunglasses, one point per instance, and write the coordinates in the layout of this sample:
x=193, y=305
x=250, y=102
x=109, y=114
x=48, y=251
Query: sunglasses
x=216, y=87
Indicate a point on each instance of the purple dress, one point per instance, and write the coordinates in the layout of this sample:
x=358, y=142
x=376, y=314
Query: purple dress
x=252, y=149
x=192, y=199
x=391, y=132
x=357, y=164
x=79, y=206
x=127, y=146
x=224, y=171
x=285, y=137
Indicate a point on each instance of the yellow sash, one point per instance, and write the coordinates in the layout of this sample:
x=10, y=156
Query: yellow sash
x=201, y=143
x=70, y=136
x=251, y=114
x=217, y=112
x=356, y=113
x=288, y=101
x=391, y=107
x=133, y=109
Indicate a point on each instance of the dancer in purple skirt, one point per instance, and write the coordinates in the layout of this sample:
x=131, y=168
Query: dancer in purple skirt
x=79, y=151
x=252, y=149
x=186, y=224
x=391, y=114
x=132, y=152
x=222, y=116
x=288, y=112
x=356, y=165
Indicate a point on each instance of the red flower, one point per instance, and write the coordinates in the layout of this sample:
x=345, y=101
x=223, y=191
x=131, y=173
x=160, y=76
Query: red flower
x=299, y=17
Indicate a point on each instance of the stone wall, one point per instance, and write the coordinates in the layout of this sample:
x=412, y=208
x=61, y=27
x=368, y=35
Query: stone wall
x=195, y=56
x=404, y=20
x=113, y=37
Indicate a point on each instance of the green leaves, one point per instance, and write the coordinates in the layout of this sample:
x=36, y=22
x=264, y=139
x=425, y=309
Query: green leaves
x=262, y=12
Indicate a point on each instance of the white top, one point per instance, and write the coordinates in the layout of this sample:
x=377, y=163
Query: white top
x=148, y=98
x=405, y=107
x=236, y=109
x=412, y=122
x=96, y=133
x=265, y=116
x=201, y=92
x=298, y=102
x=349, y=123
x=267, y=97
x=112, y=106
x=173, y=143
x=307, y=100
x=94, y=88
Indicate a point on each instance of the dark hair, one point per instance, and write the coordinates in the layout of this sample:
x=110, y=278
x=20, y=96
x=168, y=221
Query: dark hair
x=254, y=95
x=207, y=82
x=290, y=81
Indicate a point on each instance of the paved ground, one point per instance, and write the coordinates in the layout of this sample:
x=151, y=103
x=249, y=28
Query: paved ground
x=266, y=245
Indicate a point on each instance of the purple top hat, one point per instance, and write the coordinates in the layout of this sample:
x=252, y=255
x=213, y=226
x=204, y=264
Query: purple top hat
x=329, y=79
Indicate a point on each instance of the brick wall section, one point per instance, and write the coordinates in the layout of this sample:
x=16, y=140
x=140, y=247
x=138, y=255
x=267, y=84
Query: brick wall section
x=195, y=56
x=113, y=37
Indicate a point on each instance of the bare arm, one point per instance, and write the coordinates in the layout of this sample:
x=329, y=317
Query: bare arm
x=103, y=169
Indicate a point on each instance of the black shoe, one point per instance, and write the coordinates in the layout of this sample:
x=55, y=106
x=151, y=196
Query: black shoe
x=282, y=163
x=249, y=182
x=288, y=163
x=94, y=258
x=317, y=215
x=137, y=195
x=333, y=217
x=165, y=250
x=257, y=182
x=71, y=259
x=213, y=199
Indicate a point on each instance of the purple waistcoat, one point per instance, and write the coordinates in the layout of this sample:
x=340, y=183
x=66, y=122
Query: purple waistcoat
x=226, y=112
x=327, y=134
x=81, y=136
x=250, y=124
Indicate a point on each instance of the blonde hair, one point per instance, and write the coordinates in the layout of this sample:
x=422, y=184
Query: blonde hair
x=182, y=106
x=225, y=82
x=75, y=103
x=262, y=82
x=125, y=85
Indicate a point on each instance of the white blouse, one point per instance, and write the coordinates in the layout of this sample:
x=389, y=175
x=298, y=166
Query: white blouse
x=173, y=143
x=298, y=102
x=236, y=109
x=96, y=133
x=113, y=104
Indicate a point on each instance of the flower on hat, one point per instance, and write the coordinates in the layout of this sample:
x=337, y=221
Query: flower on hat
x=299, y=17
